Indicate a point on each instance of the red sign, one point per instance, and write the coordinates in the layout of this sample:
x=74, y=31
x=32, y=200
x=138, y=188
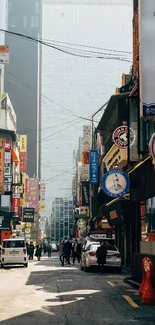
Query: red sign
x=23, y=162
x=32, y=193
x=16, y=204
x=8, y=146
x=120, y=137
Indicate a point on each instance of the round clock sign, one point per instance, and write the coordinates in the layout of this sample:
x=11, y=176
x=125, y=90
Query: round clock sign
x=120, y=137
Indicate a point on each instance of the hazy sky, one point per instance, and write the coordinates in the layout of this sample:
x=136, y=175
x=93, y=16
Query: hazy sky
x=80, y=85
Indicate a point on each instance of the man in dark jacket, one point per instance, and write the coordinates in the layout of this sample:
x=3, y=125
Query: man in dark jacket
x=67, y=250
x=31, y=251
x=101, y=255
x=76, y=251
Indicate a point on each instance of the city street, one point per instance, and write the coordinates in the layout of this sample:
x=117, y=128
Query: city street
x=47, y=293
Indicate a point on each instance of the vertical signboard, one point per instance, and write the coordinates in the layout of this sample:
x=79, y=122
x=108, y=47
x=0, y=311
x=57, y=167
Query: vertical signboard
x=2, y=154
x=42, y=206
x=93, y=167
x=7, y=167
x=147, y=55
x=23, y=153
x=32, y=193
x=86, y=138
x=85, y=194
x=16, y=203
x=4, y=54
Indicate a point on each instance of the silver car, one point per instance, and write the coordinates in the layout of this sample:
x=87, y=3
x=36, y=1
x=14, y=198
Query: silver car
x=88, y=257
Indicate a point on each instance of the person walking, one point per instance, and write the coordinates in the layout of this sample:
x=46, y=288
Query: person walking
x=67, y=250
x=31, y=251
x=38, y=251
x=101, y=256
x=76, y=251
x=49, y=249
x=61, y=252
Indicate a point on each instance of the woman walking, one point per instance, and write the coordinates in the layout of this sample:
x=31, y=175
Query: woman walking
x=61, y=252
x=38, y=251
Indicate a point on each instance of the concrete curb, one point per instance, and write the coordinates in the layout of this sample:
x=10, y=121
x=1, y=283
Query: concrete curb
x=132, y=283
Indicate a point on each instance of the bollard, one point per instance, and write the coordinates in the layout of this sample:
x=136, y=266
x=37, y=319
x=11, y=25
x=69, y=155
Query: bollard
x=148, y=295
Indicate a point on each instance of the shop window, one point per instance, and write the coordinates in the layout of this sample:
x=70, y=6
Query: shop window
x=133, y=155
x=148, y=219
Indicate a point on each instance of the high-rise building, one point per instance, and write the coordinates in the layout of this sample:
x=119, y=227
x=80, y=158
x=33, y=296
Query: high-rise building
x=61, y=218
x=23, y=74
x=3, y=25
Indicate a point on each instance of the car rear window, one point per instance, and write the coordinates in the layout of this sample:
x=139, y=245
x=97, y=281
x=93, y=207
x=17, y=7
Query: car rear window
x=111, y=248
x=14, y=244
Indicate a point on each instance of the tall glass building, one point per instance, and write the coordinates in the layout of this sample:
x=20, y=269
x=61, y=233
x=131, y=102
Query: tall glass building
x=23, y=74
x=61, y=218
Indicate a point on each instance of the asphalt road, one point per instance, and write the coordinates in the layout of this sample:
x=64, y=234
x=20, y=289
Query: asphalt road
x=47, y=293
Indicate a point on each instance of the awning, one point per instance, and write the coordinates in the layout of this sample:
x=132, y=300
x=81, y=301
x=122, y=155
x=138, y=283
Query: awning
x=15, y=157
x=107, y=113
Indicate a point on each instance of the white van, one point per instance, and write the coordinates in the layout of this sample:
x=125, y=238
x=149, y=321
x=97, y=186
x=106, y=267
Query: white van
x=14, y=252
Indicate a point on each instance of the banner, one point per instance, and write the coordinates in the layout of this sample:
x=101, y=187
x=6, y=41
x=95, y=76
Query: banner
x=85, y=157
x=2, y=156
x=85, y=194
x=93, y=167
x=32, y=193
x=28, y=215
x=23, y=153
x=16, y=203
x=42, y=205
x=86, y=138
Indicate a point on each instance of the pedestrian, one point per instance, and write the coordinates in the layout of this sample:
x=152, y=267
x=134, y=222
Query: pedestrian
x=61, y=252
x=49, y=249
x=76, y=251
x=38, y=251
x=67, y=250
x=101, y=256
x=31, y=251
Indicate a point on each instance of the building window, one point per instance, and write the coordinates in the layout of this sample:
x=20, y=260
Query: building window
x=37, y=7
x=25, y=21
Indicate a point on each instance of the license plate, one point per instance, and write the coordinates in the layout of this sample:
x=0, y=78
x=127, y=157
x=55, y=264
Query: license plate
x=14, y=253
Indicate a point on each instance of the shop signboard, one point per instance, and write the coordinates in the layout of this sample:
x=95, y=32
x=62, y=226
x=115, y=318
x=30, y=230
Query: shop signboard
x=4, y=54
x=85, y=194
x=2, y=158
x=15, y=203
x=28, y=215
x=85, y=157
x=147, y=54
x=86, y=138
x=23, y=153
x=115, y=183
x=120, y=137
x=93, y=167
x=7, y=167
x=32, y=193
x=85, y=172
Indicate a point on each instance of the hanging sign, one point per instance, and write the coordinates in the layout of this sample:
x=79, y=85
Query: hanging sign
x=116, y=183
x=120, y=136
x=152, y=146
x=93, y=167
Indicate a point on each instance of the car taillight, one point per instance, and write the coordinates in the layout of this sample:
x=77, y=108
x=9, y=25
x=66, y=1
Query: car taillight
x=3, y=251
x=24, y=250
x=92, y=253
x=118, y=255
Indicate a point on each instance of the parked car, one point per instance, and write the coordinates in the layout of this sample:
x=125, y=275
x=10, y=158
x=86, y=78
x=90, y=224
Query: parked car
x=88, y=257
x=14, y=252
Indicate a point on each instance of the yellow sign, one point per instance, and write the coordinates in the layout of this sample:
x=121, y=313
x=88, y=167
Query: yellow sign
x=27, y=230
x=28, y=225
x=42, y=207
x=23, y=143
x=115, y=158
x=22, y=200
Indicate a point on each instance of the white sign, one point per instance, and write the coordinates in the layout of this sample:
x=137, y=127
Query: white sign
x=7, y=165
x=85, y=172
x=147, y=57
x=4, y=54
x=86, y=137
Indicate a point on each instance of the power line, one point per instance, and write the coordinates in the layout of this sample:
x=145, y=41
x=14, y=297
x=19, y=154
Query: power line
x=60, y=49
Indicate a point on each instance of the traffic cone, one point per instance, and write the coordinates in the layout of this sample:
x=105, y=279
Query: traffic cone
x=141, y=289
x=148, y=297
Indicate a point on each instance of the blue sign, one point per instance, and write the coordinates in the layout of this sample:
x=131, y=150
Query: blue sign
x=93, y=167
x=116, y=183
x=149, y=110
